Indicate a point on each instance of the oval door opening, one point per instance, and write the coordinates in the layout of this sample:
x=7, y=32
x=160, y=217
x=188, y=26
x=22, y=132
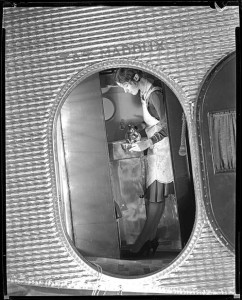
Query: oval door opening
x=217, y=131
x=103, y=185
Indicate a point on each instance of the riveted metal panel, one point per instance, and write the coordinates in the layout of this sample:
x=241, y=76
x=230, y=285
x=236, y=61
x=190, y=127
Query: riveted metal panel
x=48, y=52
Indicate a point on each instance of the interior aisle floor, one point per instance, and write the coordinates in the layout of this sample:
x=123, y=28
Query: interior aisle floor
x=141, y=266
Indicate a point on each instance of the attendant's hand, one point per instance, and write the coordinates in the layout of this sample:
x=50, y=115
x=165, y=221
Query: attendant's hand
x=141, y=145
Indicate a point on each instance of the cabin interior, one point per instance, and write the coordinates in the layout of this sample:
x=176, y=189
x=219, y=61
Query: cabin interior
x=103, y=186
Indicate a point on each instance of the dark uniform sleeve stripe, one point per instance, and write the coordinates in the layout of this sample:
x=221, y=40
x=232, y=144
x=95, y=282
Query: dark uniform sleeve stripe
x=158, y=136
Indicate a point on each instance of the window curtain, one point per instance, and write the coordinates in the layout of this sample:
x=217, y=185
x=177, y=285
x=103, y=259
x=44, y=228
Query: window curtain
x=222, y=127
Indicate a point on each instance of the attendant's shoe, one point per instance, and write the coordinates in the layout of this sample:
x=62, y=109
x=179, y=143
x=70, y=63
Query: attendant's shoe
x=154, y=245
x=142, y=253
x=144, y=250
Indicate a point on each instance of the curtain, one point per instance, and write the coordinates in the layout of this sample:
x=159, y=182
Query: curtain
x=222, y=129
